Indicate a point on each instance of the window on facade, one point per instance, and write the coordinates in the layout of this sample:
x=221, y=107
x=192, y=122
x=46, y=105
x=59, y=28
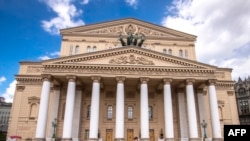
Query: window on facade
x=170, y=51
x=86, y=136
x=244, y=106
x=77, y=50
x=110, y=112
x=94, y=48
x=150, y=112
x=186, y=53
x=88, y=112
x=33, y=109
x=242, y=91
x=180, y=53
x=130, y=112
x=70, y=49
x=164, y=51
x=88, y=49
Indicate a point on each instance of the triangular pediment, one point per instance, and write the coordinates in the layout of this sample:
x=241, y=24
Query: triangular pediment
x=128, y=56
x=125, y=26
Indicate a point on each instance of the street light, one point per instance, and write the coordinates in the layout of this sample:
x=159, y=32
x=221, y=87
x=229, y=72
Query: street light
x=54, y=125
x=204, y=125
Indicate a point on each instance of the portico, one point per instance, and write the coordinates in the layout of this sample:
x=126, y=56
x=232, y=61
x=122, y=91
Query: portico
x=116, y=90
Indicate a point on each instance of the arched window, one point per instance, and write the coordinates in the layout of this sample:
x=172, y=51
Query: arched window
x=77, y=50
x=88, y=112
x=94, y=48
x=110, y=111
x=88, y=49
x=33, y=110
x=170, y=51
x=180, y=53
x=130, y=112
x=164, y=51
x=150, y=112
x=186, y=53
x=70, y=49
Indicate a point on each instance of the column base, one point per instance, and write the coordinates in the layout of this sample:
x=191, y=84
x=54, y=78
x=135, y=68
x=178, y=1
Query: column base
x=144, y=139
x=119, y=139
x=195, y=139
x=66, y=139
x=217, y=139
x=92, y=139
x=39, y=139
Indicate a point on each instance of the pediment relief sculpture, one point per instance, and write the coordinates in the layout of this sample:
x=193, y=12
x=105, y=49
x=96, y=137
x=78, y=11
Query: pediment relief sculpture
x=131, y=59
x=129, y=28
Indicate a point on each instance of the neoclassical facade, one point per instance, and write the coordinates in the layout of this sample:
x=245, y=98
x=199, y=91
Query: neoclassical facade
x=120, y=80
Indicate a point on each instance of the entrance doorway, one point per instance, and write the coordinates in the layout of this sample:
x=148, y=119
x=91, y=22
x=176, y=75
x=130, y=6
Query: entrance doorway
x=130, y=135
x=109, y=135
x=151, y=135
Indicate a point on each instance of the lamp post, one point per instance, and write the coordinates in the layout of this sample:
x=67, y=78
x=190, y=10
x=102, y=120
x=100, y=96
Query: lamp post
x=54, y=125
x=204, y=126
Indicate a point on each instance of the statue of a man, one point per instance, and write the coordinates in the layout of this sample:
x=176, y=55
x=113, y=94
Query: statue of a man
x=135, y=39
x=129, y=39
x=142, y=40
x=121, y=40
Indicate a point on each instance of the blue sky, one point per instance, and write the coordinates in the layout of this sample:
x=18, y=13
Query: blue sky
x=30, y=29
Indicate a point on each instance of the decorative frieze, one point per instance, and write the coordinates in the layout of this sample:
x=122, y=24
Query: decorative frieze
x=29, y=80
x=129, y=70
x=35, y=69
x=131, y=59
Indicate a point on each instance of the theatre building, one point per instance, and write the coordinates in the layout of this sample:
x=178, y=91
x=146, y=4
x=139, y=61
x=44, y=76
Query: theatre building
x=121, y=80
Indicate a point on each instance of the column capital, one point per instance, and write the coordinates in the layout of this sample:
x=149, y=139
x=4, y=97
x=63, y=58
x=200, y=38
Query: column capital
x=167, y=80
x=96, y=78
x=190, y=81
x=71, y=78
x=211, y=82
x=46, y=77
x=144, y=80
x=120, y=79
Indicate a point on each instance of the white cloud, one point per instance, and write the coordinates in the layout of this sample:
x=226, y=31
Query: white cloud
x=85, y=1
x=66, y=15
x=49, y=56
x=222, y=28
x=9, y=92
x=2, y=79
x=132, y=3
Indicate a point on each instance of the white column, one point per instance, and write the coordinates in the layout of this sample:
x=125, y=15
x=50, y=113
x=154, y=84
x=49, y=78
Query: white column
x=168, y=110
x=53, y=111
x=215, y=119
x=119, y=126
x=77, y=115
x=43, y=108
x=94, y=111
x=192, y=119
x=69, y=108
x=144, y=109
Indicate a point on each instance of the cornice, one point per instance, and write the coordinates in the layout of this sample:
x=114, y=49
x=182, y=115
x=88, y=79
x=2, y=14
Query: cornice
x=125, y=69
x=224, y=84
x=29, y=80
x=125, y=50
